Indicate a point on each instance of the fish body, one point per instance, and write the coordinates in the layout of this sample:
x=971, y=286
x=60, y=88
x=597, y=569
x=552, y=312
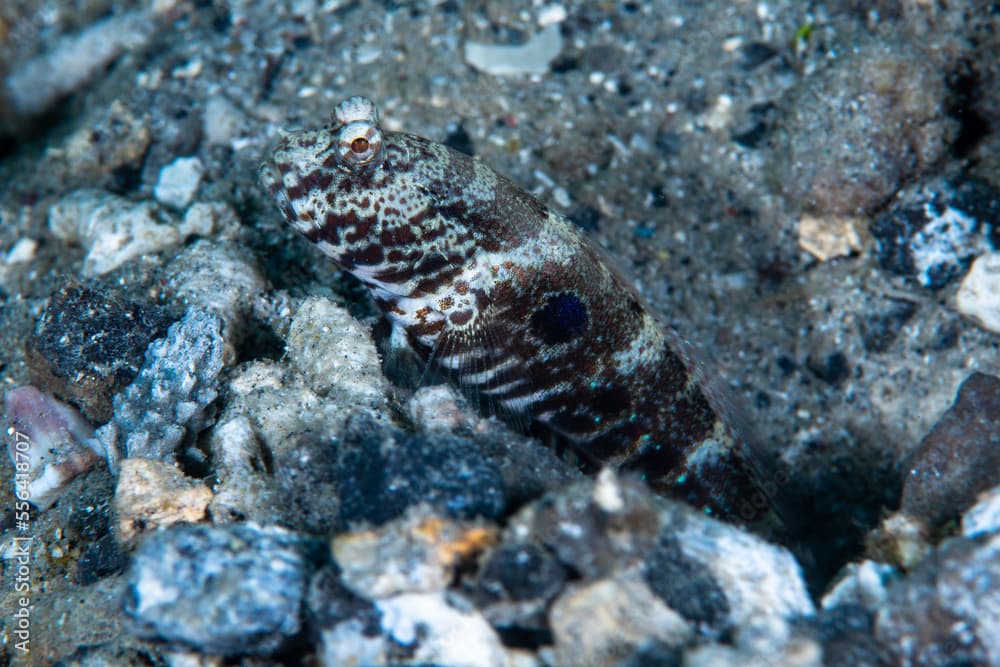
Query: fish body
x=513, y=302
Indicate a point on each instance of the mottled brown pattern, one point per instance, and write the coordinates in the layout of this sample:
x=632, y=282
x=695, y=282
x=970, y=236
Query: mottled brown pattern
x=513, y=302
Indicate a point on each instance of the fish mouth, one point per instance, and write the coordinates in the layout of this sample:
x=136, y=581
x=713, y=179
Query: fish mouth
x=270, y=178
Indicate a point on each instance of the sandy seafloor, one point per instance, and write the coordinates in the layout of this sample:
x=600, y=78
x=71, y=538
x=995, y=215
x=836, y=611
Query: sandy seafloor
x=698, y=142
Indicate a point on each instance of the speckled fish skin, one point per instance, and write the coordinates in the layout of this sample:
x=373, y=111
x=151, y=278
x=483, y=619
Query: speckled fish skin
x=513, y=302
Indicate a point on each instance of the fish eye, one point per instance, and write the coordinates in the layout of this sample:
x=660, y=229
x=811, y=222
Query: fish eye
x=359, y=143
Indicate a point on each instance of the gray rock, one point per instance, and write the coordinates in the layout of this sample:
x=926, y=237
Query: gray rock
x=947, y=612
x=515, y=584
x=598, y=623
x=855, y=131
x=847, y=636
x=976, y=297
x=686, y=586
x=113, y=230
x=231, y=591
x=728, y=579
x=418, y=553
x=37, y=84
x=243, y=491
x=861, y=584
x=984, y=516
x=408, y=628
x=170, y=398
x=219, y=276
x=178, y=182
x=106, y=152
x=960, y=457
x=334, y=353
x=796, y=653
x=436, y=632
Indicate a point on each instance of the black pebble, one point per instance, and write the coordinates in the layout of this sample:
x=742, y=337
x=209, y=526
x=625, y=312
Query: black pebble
x=848, y=640
x=832, y=368
x=99, y=560
x=686, y=586
x=879, y=330
x=521, y=572
x=89, y=344
x=460, y=140
x=382, y=471
x=585, y=217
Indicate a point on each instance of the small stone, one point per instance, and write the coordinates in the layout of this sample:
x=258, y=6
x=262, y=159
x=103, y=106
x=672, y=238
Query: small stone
x=440, y=409
x=933, y=232
x=222, y=121
x=22, y=252
x=533, y=57
x=331, y=603
x=853, y=132
x=588, y=538
x=152, y=495
x=112, y=229
x=515, y=585
x=89, y=345
x=687, y=587
x=598, y=623
x=221, y=277
x=178, y=182
x=39, y=83
x=243, y=490
x=49, y=443
x=417, y=553
x=351, y=642
x=100, y=559
x=598, y=531
x=762, y=582
x=308, y=486
x=521, y=572
x=290, y=420
x=984, y=516
x=335, y=353
x=947, y=611
x=863, y=584
x=795, y=653
x=436, y=633
x=960, y=457
x=201, y=218
x=827, y=238
x=236, y=590
x=171, y=396
x=349, y=627
x=847, y=635
x=380, y=472
x=978, y=296
x=110, y=149
x=550, y=14
x=900, y=539
x=881, y=328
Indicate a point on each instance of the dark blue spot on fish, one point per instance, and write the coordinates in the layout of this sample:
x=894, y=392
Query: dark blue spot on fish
x=561, y=319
